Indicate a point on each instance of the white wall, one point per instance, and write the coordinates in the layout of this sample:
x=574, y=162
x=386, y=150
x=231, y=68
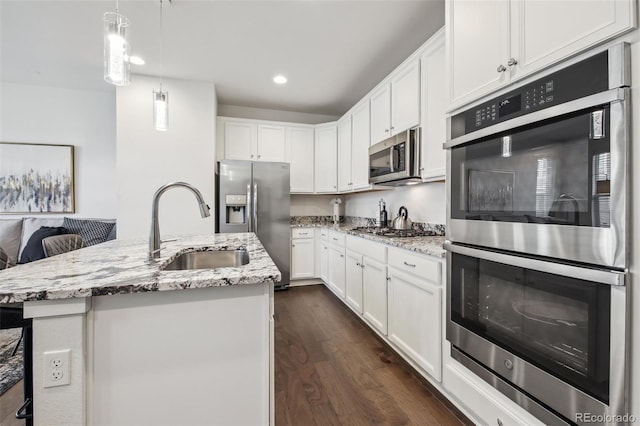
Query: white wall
x=148, y=159
x=425, y=202
x=313, y=205
x=273, y=115
x=83, y=118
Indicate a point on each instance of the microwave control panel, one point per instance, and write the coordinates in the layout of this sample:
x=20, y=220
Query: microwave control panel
x=576, y=81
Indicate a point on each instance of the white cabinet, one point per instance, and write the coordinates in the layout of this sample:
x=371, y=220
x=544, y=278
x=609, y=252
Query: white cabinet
x=360, y=141
x=271, y=143
x=380, y=114
x=336, y=270
x=434, y=105
x=302, y=253
x=324, y=256
x=300, y=145
x=344, y=153
x=240, y=139
x=326, y=159
x=395, y=105
x=415, y=300
x=247, y=140
x=353, y=274
x=405, y=97
x=374, y=294
x=493, y=42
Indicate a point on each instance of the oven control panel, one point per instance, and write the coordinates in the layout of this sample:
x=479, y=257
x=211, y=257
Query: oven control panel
x=576, y=81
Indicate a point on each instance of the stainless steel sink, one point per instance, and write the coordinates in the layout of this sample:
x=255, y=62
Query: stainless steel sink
x=208, y=260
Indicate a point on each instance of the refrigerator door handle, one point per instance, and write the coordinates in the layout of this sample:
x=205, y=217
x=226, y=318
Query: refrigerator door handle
x=249, y=216
x=255, y=208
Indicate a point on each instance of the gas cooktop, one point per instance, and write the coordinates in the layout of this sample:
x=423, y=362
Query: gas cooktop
x=389, y=232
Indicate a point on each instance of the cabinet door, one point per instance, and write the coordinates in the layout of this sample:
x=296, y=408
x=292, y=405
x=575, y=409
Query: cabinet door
x=477, y=43
x=374, y=294
x=360, y=141
x=405, y=98
x=434, y=157
x=270, y=143
x=535, y=46
x=380, y=114
x=300, y=142
x=302, y=258
x=353, y=274
x=324, y=261
x=414, y=320
x=326, y=161
x=344, y=154
x=337, y=270
x=240, y=140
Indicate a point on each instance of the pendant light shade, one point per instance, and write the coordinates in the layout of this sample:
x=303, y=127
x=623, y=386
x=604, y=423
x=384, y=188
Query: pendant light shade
x=161, y=110
x=116, y=49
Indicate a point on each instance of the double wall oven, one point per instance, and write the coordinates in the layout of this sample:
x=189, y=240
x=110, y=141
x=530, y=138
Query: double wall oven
x=537, y=241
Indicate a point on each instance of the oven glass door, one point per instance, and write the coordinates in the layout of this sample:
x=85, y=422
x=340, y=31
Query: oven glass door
x=557, y=171
x=557, y=323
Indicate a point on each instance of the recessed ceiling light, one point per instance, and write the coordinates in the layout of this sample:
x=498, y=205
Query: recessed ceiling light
x=136, y=60
x=280, y=79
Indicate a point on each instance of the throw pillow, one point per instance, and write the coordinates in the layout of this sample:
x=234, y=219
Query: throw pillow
x=5, y=262
x=91, y=231
x=33, y=250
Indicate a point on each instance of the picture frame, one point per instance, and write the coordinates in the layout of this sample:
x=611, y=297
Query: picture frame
x=36, y=178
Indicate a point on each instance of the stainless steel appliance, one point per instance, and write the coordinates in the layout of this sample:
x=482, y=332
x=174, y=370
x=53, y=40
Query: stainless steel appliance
x=396, y=161
x=254, y=197
x=543, y=169
x=537, y=233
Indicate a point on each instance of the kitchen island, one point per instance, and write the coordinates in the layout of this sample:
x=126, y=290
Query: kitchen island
x=142, y=351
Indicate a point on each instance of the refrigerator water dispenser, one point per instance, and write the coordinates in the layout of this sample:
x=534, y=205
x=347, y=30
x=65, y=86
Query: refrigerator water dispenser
x=236, y=209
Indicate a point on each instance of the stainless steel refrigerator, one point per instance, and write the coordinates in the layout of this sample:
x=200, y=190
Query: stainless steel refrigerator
x=254, y=197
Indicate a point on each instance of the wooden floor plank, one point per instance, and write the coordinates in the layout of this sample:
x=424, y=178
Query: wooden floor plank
x=338, y=372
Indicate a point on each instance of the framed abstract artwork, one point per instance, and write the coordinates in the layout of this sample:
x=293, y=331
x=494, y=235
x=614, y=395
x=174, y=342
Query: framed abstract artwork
x=36, y=178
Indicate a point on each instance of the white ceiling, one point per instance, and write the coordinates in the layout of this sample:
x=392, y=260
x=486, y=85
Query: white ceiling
x=333, y=52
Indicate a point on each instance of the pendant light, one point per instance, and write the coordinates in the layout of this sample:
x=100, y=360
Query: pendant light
x=161, y=97
x=116, y=48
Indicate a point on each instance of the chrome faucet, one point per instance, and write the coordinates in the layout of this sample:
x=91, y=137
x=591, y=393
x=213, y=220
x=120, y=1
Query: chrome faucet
x=154, y=238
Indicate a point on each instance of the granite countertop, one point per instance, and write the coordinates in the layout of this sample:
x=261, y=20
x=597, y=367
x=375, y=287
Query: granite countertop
x=121, y=266
x=431, y=245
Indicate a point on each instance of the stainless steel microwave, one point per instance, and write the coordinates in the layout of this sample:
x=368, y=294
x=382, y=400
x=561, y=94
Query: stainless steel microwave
x=396, y=161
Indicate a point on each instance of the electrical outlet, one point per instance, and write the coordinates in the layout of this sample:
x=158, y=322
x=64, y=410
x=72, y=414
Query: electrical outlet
x=57, y=368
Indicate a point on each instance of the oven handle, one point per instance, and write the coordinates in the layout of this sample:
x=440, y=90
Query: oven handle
x=587, y=274
x=609, y=96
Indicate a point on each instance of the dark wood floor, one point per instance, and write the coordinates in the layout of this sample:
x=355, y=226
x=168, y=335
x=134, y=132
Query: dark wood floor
x=10, y=401
x=331, y=369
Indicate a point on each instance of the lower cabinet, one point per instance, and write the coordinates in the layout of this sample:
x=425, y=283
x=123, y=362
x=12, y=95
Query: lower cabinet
x=336, y=270
x=302, y=258
x=324, y=261
x=353, y=275
x=374, y=294
x=415, y=319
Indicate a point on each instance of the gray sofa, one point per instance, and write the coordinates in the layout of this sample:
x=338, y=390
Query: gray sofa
x=15, y=233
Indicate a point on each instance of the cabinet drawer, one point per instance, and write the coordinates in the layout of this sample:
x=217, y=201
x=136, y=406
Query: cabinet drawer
x=302, y=233
x=370, y=249
x=420, y=265
x=337, y=238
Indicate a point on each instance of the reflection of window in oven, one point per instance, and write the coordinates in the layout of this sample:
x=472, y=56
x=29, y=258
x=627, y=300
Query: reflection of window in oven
x=545, y=175
x=602, y=188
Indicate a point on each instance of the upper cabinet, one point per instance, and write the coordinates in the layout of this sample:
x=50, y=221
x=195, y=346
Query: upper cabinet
x=395, y=105
x=344, y=153
x=326, y=159
x=492, y=43
x=434, y=103
x=247, y=140
x=299, y=141
x=360, y=140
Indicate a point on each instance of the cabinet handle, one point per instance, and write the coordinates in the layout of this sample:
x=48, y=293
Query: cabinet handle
x=512, y=62
x=302, y=233
x=388, y=278
x=409, y=264
x=335, y=239
x=342, y=255
x=498, y=421
x=392, y=127
x=422, y=169
x=251, y=156
x=325, y=247
x=501, y=68
x=357, y=263
x=259, y=156
x=293, y=245
x=386, y=130
x=362, y=265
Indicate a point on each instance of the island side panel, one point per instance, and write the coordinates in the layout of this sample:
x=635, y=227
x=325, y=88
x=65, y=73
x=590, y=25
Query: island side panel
x=189, y=357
